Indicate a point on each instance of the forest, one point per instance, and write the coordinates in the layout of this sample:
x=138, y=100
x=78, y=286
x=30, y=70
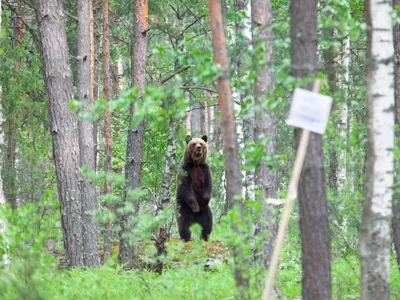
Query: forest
x=147, y=149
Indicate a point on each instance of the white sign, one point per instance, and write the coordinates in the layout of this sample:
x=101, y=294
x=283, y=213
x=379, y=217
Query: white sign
x=309, y=110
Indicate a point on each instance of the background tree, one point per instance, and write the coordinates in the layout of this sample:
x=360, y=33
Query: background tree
x=265, y=130
x=134, y=150
x=86, y=136
x=314, y=226
x=59, y=87
x=107, y=126
x=375, y=239
x=233, y=185
x=396, y=200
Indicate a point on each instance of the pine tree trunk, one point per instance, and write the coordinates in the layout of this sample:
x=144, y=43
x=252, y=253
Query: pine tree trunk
x=396, y=199
x=86, y=141
x=314, y=225
x=233, y=175
x=64, y=126
x=265, y=122
x=375, y=239
x=107, y=127
x=134, y=151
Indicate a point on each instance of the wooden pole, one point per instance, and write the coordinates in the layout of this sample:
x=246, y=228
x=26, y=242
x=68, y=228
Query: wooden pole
x=291, y=195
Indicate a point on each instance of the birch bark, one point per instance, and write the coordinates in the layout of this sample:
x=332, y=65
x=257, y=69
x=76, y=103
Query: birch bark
x=396, y=196
x=375, y=236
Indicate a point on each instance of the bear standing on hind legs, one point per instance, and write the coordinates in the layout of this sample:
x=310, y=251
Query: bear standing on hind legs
x=194, y=189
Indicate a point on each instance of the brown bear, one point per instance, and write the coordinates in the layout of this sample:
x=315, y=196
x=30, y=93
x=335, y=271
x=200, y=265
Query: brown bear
x=194, y=189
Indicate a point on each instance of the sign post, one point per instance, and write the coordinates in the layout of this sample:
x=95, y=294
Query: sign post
x=309, y=111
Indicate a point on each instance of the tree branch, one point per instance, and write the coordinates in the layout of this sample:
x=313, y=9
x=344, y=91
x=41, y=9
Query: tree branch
x=183, y=69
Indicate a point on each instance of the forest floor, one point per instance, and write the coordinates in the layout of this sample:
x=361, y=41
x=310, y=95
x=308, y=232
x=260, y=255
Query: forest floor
x=185, y=276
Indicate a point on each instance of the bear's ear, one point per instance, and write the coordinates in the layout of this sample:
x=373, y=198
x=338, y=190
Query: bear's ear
x=188, y=138
x=204, y=138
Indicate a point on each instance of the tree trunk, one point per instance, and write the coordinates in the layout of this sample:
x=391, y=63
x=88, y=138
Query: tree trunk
x=96, y=47
x=10, y=173
x=375, y=239
x=343, y=129
x=265, y=122
x=331, y=60
x=64, y=126
x=107, y=127
x=134, y=151
x=396, y=199
x=5, y=260
x=170, y=163
x=243, y=41
x=314, y=226
x=197, y=120
x=233, y=175
x=86, y=141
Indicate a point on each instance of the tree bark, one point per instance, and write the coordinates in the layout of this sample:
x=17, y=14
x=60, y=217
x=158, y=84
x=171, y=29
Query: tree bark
x=343, y=128
x=396, y=199
x=375, y=238
x=10, y=172
x=265, y=122
x=86, y=138
x=134, y=151
x=197, y=120
x=96, y=47
x=170, y=163
x=5, y=260
x=59, y=87
x=244, y=41
x=107, y=127
x=233, y=175
x=314, y=224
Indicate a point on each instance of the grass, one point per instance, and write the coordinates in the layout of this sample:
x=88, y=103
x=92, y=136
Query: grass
x=184, y=277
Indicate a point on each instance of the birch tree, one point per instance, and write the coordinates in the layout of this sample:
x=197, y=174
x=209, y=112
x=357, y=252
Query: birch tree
x=64, y=125
x=86, y=137
x=244, y=41
x=375, y=238
x=134, y=151
x=314, y=226
x=396, y=199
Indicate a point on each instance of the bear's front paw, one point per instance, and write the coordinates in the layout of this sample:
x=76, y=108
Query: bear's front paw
x=195, y=208
x=206, y=198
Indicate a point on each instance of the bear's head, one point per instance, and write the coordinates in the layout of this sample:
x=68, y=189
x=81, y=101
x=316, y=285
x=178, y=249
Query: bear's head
x=196, y=150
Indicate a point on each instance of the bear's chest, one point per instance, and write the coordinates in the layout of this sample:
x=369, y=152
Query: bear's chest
x=198, y=178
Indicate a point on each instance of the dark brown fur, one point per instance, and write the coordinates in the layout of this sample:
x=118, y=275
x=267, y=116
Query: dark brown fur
x=194, y=190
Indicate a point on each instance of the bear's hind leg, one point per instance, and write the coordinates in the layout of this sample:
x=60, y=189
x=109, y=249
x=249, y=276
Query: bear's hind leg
x=206, y=223
x=184, y=229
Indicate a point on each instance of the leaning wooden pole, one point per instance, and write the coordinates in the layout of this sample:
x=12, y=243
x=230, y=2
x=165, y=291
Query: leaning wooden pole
x=291, y=196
